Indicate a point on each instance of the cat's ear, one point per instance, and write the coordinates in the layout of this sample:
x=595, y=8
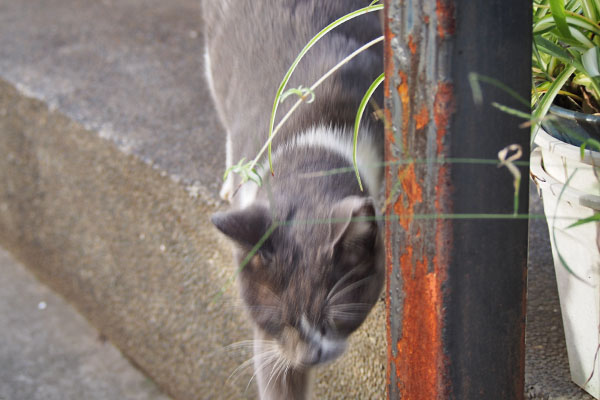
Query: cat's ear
x=353, y=224
x=246, y=226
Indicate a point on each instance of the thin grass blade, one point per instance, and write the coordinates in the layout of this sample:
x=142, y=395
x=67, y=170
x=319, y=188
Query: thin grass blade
x=359, y=113
x=309, y=45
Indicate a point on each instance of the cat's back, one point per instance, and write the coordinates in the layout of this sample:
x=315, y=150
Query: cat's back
x=254, y=42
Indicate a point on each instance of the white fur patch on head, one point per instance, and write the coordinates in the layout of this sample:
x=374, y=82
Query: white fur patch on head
x=331, y=138
x=339, y=141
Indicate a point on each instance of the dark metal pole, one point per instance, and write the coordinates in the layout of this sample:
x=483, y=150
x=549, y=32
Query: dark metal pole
x=456, y=287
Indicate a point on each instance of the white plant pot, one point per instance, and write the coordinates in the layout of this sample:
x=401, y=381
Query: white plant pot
x=577, y=247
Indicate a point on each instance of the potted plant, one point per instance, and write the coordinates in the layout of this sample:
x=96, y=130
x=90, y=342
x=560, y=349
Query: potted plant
x=565, y=165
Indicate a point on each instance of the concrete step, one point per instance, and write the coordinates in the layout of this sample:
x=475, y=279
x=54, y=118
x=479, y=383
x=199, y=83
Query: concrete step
x=49, y=351
x=112, y=158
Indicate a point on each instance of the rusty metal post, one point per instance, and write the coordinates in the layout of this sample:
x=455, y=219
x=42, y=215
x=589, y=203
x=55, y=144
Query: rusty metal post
x=456, y=287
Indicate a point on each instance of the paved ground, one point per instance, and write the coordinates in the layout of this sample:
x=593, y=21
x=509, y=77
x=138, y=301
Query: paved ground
x=49, y=351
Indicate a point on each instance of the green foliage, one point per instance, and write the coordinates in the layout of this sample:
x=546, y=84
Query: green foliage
x=566, y=54
x=301, y=92
x=246, y=171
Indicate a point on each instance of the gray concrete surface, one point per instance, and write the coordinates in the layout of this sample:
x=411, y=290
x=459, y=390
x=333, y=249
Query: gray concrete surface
x=49, y=351
x=131, y=71
x=111, y=164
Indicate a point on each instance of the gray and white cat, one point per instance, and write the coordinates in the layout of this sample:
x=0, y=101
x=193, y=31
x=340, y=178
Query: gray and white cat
x=310, y=285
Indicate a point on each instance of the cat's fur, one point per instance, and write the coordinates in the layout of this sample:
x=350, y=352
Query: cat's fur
x=310, y=285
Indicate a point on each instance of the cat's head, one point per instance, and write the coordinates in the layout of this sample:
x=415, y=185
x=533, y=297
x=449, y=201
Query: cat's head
x=310, y=283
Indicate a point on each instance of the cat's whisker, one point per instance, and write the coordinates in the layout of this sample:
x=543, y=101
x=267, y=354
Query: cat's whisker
x=339, y=283
x=272, y=355
x=349, y=288
x=249, y=362
x=237, y=371
x=350, y=307
x=249, y=343
x=257, y=370
x=347, y=311
x=260, y=366
x=274, y=370
x=280, y=369
x=348, y=316
x=288, y=367
x=271, y=363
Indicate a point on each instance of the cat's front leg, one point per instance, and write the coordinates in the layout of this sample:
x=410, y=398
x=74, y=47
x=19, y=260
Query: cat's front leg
x=275, y=376
x=227, y=189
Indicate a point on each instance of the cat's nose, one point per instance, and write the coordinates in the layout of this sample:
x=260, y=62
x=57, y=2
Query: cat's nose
x=314, y=356
x=320, y=352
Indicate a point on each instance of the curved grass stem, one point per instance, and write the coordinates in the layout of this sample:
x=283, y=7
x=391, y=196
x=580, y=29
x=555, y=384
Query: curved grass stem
x=267, y=144
x=361, y=109
x=372, y=7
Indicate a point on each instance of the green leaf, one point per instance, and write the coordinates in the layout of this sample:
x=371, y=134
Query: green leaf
x=590, y=60
x=361, y=109
x=301, y=92
x=558, y=13
x=544, y=104
x=475, y=78
x=595, y=143
x=245, y=171
x=595, y=217
x=540, y=11
x=589, y=9
x=554, y=50
x=512, y=111
x=576, y=21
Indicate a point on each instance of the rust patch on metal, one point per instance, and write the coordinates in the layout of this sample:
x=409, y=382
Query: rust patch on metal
x=420, y=347
x=443, y=107
x=445, y=16
x=411, y=195
x=422, y=118
x=414, y=325
x=411, y=45
x=403, y=92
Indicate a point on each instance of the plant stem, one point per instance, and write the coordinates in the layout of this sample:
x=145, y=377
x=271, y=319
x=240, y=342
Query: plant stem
x=361, y=109
x=312, y=88
x=315, y=39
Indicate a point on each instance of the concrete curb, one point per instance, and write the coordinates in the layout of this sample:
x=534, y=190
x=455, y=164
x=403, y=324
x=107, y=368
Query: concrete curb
x=109, y=179
x=50, y=352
